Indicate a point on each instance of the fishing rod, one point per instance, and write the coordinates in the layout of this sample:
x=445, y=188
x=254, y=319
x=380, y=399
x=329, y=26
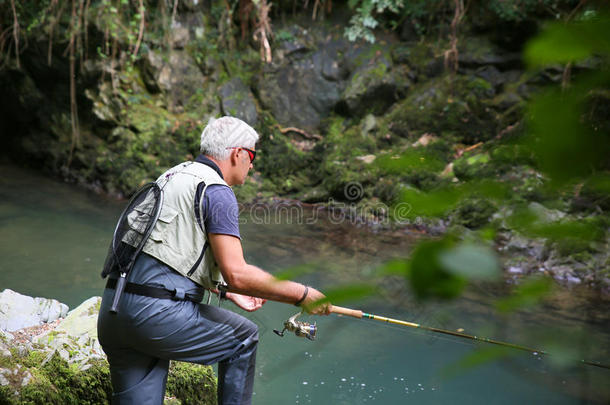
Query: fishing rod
x=308, y=330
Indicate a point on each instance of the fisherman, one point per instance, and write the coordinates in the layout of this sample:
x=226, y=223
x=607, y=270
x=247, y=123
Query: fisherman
x=195, y=246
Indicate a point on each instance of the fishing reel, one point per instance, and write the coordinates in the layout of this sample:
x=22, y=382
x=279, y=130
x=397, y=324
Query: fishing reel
x=301, y=329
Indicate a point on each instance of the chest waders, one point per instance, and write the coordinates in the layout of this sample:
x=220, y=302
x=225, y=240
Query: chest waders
x=133, y=231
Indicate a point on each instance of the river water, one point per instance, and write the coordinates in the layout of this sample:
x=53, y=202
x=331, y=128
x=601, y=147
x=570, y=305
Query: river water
x=54, y=239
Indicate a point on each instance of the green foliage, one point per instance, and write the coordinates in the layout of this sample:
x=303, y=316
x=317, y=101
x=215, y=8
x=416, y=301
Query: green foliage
x=563, y=43
x=527, y=294
x=442, y=268
x=364, y=21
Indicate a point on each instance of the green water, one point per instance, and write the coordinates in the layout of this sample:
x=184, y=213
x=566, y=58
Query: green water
x=54, y=239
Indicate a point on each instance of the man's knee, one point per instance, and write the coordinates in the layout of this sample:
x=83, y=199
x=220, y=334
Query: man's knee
x=251, y=330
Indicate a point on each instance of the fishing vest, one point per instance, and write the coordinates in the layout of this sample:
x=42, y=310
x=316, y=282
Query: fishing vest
x=178, y=239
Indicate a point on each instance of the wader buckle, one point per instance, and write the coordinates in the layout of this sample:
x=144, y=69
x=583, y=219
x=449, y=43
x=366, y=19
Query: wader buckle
x=178, y=294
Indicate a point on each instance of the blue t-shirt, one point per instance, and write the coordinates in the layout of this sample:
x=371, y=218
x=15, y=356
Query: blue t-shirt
x=220, y=211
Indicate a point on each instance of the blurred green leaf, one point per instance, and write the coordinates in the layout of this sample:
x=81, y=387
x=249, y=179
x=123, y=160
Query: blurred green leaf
x=563, y=145
x=474, y=262
x=435, y=203
x=439, y=202
x=527, y=222
x=563, y=43
x=394, y=267
x=349, y=292
x=529, y=293
x=296, y=271
x=477, y=358
x=427, y=276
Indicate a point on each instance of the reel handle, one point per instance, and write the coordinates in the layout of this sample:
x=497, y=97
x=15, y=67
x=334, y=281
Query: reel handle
x=354, y=313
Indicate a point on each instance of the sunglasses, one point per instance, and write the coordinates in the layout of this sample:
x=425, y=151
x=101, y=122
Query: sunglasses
x=251, y=153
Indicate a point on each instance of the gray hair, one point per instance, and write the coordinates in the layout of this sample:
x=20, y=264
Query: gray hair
x=224, y=133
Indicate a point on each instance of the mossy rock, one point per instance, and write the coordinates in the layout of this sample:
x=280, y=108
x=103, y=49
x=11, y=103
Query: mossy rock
x=473, y=213
x=446, y=104
x=58, y=382
x=473, y=166
x=281, y=162
x=192, y=384
x=341, y=166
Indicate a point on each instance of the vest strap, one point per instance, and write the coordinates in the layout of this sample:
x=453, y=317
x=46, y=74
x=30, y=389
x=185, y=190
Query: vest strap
x=177, y=294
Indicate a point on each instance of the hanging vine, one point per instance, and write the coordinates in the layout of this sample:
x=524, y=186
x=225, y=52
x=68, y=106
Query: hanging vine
x=16, y=30
x=452, y=54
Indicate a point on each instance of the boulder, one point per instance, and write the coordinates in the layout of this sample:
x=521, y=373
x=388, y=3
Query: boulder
x=179, y=36
x=82, y=320
x=176, y=74
x=374, y=87
x=66, y=365
x=19, y=311
x=298, y=95
x=236, y=100
x=545, y=215
x=306, y=85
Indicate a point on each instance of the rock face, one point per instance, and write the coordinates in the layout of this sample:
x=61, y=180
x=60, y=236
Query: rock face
x=62, y=362
x=19, y=311
x=237, y=101
x=318, y=73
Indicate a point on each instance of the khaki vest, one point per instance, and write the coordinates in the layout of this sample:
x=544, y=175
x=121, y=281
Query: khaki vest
x=177, y=239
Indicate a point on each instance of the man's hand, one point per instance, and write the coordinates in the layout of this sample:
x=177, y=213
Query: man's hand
x=246, y=302
x=309, y=303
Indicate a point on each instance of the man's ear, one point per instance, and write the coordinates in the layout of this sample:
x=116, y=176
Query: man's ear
x=234, y=157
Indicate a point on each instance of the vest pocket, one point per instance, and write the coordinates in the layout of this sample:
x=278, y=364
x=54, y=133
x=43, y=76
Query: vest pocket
x=165, y=226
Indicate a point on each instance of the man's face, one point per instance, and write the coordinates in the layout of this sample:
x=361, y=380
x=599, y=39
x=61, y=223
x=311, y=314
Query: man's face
x=245, y=157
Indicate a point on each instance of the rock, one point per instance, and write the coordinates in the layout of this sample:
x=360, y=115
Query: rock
x=106, y=107
x=82, y=320
x=236, y=100
x=473, y=166
x=19, y=311
x=68, y=366
x=506, y=100
x=425, y=140
x=298, y=95
x=374, y=87
x=179, y=36
x=369, y=124
x=293, y=41
x=176, y=74
x=493, y=76
x=478, y=52
x=366, y=159
x=545, y=215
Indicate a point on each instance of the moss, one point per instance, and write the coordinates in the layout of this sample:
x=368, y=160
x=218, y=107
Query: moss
x=58, y=382
x=281, y=162
x=473, y=213
x=475, y=166
x=340, y=166
x=445, y=104
x=192, y=383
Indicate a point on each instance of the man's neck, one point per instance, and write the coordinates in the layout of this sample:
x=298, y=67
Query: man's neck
x=223, y=166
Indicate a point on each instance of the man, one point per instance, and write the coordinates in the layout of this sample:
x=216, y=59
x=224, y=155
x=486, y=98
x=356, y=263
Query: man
x=195, y=244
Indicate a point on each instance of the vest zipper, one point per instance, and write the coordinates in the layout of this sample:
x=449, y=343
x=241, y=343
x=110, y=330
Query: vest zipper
x=192, y=270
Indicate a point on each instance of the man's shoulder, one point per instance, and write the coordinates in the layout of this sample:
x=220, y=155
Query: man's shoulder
x=220, y=192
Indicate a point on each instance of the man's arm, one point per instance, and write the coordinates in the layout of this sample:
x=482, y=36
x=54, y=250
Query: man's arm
x=246, y=279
